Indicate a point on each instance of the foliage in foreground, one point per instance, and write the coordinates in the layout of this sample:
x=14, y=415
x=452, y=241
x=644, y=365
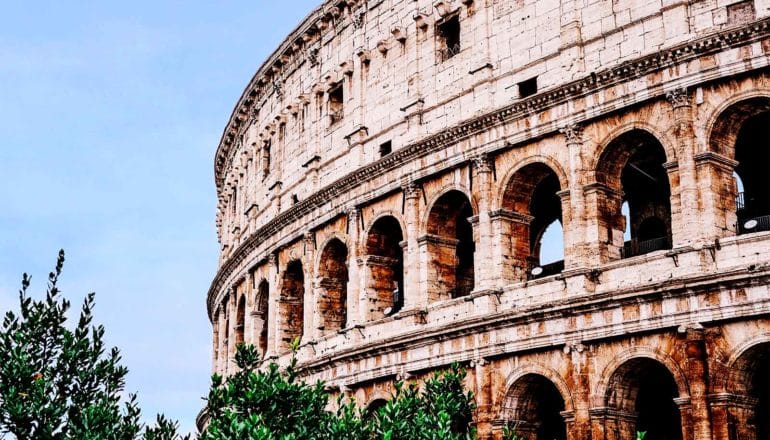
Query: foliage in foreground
x=60, y=383
x=276, y=404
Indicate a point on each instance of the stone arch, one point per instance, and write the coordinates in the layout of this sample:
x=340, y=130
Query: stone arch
x=328, y=239
x=441, y=193
x=551, y=163
x=332, y=286
x=384, y=265
x=450, y=246
x=530, y=203
x=733, y=112
x=738, y=135
x=397, y=216
x=639, y=352
x=374, y=405
x=641, y=391
x=291, y=304
x=535, y=406
x=541, y=370
x=262, y=304
x=746, y=397
x=632, y=169
x=663, y=139
x=240, y=320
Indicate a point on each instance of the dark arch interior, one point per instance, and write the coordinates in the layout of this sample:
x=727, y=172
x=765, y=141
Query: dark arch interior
x=752, y=151
x=645, y=389
x=240, y=320
x=533, y=191
x=333, y=271
x=750, y=376
x=374, y=406
x=448, y=219
x=633, y=165
x=386, y=268
x=263, y=292
x=534, y=407
x=292, y=304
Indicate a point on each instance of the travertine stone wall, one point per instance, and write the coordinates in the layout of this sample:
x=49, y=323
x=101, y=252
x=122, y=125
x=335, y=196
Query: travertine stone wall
x=384, y=192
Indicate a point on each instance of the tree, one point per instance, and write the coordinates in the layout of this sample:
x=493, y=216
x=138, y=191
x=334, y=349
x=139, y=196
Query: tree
x=60, y=383
x=276, y=404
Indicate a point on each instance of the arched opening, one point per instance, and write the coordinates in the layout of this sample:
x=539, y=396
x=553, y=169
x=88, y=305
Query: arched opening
x=533, y=407
x=385, y=268
x=333, y=286
x=641, y=395
x=752, y=152
x=263, y=312
x=373, y=408
x=632, y=169
x=749, y=383
x=292, y=304
x=533, y=224
x=240, y=320
x=450, y=247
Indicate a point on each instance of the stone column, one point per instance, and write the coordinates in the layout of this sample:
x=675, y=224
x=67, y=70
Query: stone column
x=222, y=344
x=310, y=301
x=684, y=192
x=511, y=246
x=355, y=315
x=605, y=223
x=697, y=377
x=215, y=343
x=483, y=260
x=579, y=421
x=716, y=192
x=273, y=336
x=685, y=414
x=415, y=292
x=484, y=399
x=439, y=254
x=730, y=416
x=571, y=39
x=576, y=247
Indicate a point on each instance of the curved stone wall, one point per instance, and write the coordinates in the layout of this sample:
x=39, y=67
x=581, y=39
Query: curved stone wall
x=389, y=176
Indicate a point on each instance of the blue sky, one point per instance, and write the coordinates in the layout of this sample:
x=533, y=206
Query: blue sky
x=110, y=113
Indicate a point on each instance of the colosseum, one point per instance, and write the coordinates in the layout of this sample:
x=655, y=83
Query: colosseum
x=571, y=198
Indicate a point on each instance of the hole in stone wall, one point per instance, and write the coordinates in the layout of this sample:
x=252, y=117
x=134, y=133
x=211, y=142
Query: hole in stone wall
x=386, y=148
x=240, y=320
x=336, y=103
x=528, y=87
x=448, y=37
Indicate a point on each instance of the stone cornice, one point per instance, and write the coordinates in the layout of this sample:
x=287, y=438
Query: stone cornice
x=521, y=109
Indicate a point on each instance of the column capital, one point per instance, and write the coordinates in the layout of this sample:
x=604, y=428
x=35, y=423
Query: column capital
x=573, y=133
x=411, y=190
x=482, y=163
x=272, y=259
x=678, y=97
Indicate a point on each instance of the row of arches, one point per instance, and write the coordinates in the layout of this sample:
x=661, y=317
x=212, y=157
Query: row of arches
x=634, y=217
x=643, y=394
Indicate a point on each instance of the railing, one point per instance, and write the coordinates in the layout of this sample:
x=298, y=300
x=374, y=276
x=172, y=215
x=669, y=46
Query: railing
x=755, y=224
x=545, y=270
x=633, y=248
x=336, y=116
x=740, y=201
x=448, y=52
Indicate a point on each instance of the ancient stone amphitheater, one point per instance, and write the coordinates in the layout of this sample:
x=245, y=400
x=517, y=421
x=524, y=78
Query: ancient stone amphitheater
x=396, y=178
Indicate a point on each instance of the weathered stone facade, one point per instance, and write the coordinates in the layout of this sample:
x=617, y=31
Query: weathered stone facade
x=386, y=179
